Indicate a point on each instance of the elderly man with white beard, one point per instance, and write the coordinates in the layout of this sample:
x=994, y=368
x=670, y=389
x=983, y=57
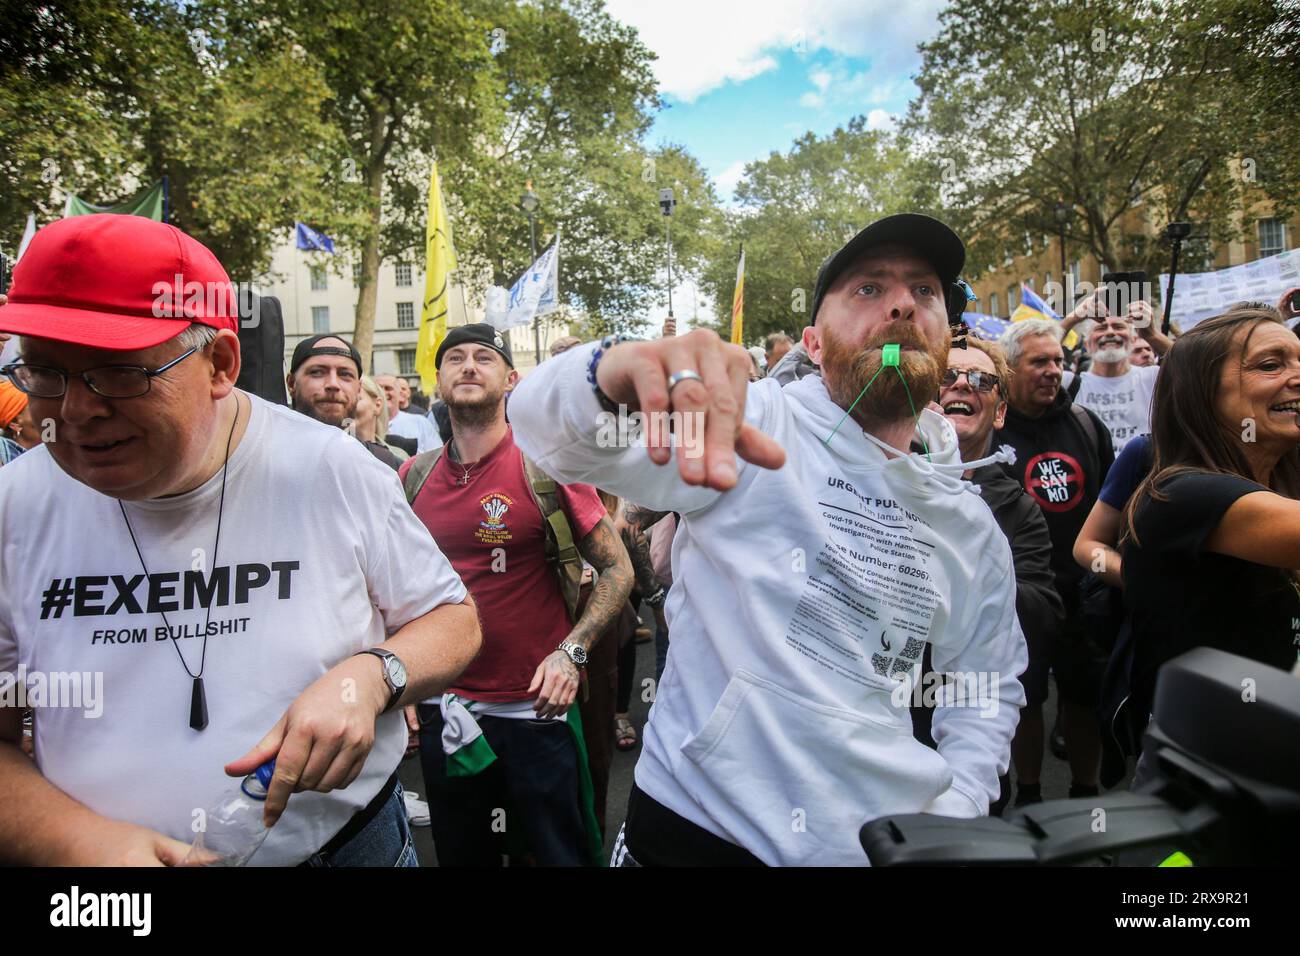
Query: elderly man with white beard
x=1117, y=390
x=809, y=577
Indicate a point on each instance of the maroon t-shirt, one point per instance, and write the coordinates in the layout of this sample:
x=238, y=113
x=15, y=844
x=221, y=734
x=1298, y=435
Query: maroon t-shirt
x=491, y=531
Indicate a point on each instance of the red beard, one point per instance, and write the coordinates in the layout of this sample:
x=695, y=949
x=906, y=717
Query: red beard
x=847, y=371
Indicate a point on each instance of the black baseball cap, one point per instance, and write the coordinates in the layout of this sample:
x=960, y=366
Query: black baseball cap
x=309, y=347
x=476, y=333
x=931, y=239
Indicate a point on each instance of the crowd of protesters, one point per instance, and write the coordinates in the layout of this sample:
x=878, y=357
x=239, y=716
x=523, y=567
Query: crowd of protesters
x=467, y=575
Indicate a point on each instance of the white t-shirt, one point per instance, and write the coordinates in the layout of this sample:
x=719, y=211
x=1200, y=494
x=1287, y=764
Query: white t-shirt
x=1122, y=402
x=406, y=425
x=320, y=558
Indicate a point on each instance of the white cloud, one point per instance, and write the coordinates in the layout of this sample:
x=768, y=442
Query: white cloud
x=727, y=179
x=702, y=44
x=881, y=119
x=838, y=86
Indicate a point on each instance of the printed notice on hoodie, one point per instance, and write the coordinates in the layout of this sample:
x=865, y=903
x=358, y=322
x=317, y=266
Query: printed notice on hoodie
x=869, y=603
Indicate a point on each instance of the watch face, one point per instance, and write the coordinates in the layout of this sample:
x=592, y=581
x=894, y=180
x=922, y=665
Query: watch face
x=396, y=671
x=578, y=654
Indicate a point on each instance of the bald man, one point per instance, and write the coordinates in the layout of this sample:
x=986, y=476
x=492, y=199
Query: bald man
x=404, y=424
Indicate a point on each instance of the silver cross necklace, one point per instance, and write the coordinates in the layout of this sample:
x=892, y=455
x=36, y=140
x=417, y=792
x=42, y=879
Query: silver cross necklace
x=463, y=479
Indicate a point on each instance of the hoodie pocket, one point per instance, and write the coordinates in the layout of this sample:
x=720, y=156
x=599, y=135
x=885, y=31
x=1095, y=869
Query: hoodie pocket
x=793, y=781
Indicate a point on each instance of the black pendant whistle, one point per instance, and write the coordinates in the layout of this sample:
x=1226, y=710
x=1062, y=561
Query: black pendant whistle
x=198, y=706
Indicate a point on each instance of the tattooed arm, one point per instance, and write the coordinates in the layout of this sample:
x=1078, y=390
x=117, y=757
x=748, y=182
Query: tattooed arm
x=638, y=550
x=556, y=679
x=640, y=518
x=633, y=523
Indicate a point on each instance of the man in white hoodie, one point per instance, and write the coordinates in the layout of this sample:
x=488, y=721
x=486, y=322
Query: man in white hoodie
x=808, y=580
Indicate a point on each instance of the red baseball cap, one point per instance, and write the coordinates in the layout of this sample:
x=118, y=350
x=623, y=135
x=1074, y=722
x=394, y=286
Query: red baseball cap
x=118, y=282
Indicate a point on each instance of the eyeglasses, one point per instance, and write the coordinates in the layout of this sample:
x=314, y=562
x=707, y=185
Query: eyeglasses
x=980, y=381
x=109, y=381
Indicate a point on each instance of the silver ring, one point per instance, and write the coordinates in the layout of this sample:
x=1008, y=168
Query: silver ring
x=685, y=375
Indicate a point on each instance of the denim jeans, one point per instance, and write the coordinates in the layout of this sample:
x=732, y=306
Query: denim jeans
x=384, y=841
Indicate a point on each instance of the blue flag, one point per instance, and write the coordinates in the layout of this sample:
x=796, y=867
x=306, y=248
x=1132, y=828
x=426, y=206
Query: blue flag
x=309, y=238
x=984, y=327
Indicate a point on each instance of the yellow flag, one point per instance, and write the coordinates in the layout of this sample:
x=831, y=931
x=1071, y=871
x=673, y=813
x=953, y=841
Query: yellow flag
x=439, y=263
x=738, y=304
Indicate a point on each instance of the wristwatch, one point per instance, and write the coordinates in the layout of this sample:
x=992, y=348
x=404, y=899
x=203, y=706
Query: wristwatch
x=657, y=599
x=576, y=653
x=394, y=674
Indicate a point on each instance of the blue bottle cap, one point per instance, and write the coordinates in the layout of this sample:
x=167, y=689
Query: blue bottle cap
x=265, y=773
x=257, y=783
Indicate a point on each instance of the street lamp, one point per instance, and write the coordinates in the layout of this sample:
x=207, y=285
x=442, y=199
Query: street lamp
x=529, y=202
x=1062, y=212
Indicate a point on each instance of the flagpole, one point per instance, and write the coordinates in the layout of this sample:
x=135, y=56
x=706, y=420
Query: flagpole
x=463, y=307
x=559, y=232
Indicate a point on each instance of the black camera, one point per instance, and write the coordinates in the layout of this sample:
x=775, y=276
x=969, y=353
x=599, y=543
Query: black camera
x=1178, y=230
x=1225, y=787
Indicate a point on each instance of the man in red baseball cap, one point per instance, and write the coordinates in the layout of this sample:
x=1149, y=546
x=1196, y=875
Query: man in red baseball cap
x=162, y=513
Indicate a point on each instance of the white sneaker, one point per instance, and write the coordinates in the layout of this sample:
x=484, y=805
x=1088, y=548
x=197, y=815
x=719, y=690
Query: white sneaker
x=417, y=811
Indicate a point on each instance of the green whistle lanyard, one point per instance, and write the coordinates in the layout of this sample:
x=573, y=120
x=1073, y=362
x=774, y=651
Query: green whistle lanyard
x=889, y=358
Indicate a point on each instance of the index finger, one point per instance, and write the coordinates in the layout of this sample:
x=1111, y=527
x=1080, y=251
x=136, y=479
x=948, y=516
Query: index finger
x=288, y=771
x=726, y=385
x=264, y=750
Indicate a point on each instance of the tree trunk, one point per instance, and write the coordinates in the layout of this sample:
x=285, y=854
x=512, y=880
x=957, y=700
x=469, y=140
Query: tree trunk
x=363, y=336
x=1102, y=247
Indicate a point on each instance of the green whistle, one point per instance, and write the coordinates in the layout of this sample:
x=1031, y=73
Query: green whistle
x=888, y=355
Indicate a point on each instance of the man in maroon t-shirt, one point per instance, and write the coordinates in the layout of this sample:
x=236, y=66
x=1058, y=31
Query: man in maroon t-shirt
x=479, y=507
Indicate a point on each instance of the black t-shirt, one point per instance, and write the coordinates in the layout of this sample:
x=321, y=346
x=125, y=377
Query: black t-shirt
x=1180, y=596
x=1061, y=463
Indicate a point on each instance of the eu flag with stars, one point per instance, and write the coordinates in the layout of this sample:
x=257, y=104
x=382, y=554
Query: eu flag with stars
x=309, y=239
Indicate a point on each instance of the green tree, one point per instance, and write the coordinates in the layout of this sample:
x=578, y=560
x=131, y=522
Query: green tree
x=407, y=80
x=99, y=99
x=578, y=96
x=795, y=209
x=1123, y=110
x=261, y=112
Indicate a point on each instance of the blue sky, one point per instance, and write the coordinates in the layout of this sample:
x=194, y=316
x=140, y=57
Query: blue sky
x=742, y=79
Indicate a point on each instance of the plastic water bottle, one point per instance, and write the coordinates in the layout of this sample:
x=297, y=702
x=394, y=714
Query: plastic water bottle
x=232, y=829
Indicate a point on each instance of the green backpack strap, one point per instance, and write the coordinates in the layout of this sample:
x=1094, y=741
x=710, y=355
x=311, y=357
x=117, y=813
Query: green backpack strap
x=419, y=472
x=561, y=549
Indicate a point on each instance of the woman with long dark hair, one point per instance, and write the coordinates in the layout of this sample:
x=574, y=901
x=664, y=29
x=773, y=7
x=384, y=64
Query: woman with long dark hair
x=1212, y=535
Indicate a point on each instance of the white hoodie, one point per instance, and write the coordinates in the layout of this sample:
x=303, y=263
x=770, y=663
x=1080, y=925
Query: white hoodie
x=797, y=597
